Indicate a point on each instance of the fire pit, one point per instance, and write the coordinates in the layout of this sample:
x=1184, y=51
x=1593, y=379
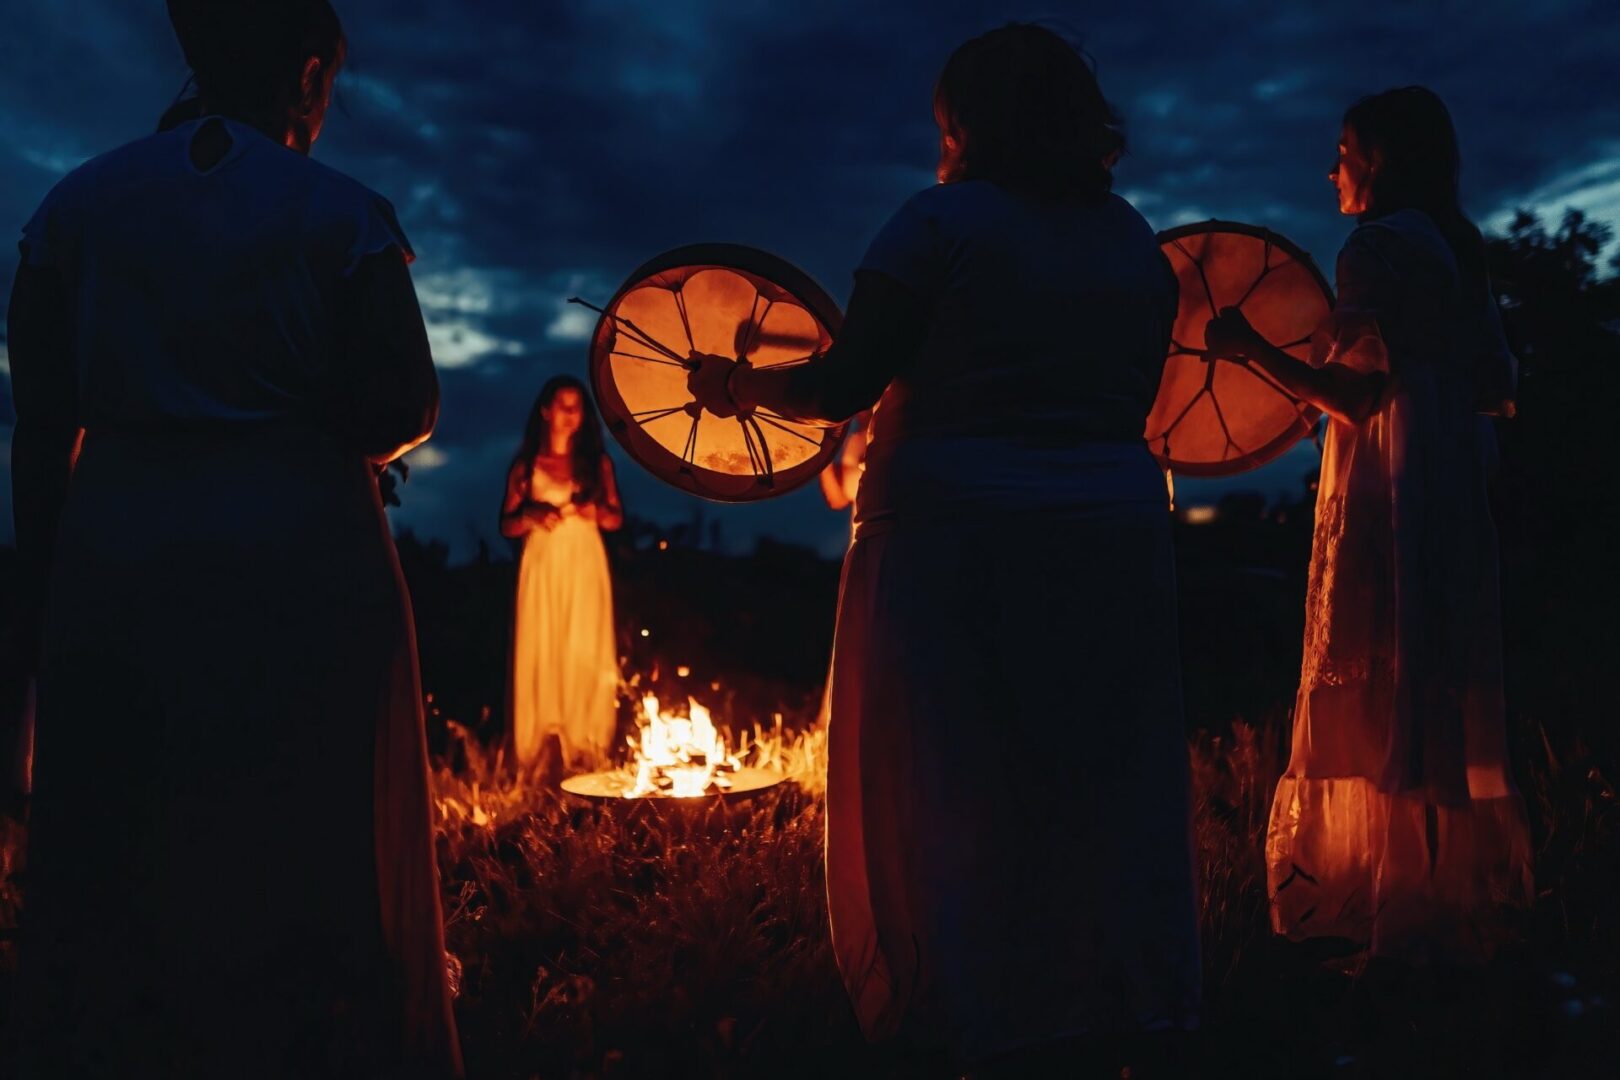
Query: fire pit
x=676, y=757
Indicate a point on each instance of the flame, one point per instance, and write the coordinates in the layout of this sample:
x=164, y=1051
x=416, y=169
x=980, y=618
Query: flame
x=683, y=757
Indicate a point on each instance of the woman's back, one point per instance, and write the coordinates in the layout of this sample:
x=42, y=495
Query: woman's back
x=229, y=703
x=1049, y=318
x=1011, y=522
x=206, y=293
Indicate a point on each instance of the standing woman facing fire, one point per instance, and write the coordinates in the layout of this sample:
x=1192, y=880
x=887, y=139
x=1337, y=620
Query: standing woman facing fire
x=1009, y=871
x=1397, y=822
x=214, y=341
x=560, y=495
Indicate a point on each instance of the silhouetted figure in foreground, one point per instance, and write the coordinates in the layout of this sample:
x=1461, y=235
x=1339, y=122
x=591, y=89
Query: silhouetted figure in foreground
x=230, y=862
x=1397, y=823
x=1008, y=860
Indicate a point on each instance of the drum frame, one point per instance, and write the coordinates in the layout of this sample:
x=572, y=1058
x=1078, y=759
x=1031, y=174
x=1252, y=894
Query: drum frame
x=1309, y=415
x=647, y=451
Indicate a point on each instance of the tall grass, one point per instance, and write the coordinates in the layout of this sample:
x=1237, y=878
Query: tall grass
x=689, y=938
x=642, y=937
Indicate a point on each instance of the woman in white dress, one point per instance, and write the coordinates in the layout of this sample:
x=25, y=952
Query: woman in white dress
x=214, y=341
x=1008, y=858
x=1397, y=822
x=560, y=495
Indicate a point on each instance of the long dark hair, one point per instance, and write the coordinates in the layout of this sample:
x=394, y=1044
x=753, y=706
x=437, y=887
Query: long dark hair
x=247, y=56
x=585, y=456
x=1034, y=117
x=1410, y=131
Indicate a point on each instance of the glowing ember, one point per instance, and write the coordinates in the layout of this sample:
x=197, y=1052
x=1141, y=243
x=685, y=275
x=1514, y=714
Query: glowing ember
x=683, y=757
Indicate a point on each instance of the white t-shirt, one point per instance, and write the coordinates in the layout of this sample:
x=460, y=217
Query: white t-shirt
x=205, y=294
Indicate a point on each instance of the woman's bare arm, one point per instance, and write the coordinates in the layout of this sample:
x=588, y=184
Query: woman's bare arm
x=841, y=479
x=833, y=485
x=1341, y=392
x=609, y=511
x=882, y=331
x=520, y=515
x=1367, y=288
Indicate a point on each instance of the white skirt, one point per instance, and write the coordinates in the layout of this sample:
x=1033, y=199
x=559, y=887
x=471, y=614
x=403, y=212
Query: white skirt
x=564, y=673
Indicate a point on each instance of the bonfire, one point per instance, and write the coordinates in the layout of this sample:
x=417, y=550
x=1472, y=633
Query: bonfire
x=677, y=757
x=682, y=757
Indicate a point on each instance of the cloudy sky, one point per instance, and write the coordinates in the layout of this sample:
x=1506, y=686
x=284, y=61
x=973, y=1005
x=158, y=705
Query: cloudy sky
x=537, y=150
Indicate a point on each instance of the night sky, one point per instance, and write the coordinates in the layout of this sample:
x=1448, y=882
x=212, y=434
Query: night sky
x=539, y=150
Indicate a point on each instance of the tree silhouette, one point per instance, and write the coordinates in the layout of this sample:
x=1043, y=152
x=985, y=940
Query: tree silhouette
x=1553, y=498
x=1548, y=283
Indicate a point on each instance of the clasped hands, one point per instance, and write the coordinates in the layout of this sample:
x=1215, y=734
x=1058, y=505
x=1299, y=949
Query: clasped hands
x=548, y=517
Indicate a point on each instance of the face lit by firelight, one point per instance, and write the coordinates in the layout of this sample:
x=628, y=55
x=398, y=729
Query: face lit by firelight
x=565, y=413
x=1352, y=175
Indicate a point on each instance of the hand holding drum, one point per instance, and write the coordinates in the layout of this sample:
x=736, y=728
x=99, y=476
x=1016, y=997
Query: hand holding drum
x=1228, y=336
x=709, y=384
x=1243, y=291
x=672, y=338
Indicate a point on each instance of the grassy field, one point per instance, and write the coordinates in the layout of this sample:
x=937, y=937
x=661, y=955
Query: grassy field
x=672, y=940
x=663, y=939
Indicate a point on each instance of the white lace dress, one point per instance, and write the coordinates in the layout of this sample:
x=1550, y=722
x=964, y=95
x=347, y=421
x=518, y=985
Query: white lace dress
x=1397, y=822
x=565, y=674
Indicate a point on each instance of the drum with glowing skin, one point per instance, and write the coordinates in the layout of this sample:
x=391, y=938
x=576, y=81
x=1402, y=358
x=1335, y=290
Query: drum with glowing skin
x=726, y=300
x=1213, y=417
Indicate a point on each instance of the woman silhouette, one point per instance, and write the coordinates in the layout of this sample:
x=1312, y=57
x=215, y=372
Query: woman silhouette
x=213, y=340
x=1009, y=590
x=1397, y=822
x=560, y=495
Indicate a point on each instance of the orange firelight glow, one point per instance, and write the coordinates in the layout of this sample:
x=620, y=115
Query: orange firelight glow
x=684, y=757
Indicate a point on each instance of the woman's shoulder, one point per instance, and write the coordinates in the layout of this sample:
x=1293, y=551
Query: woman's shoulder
x=1121, y=211
x=343, y=208
x=143, y=161
x=1370, y=243
x=1397, y=243
x=339, y=186
x=61, y=219
x=81, y=183
x=337, y=190
x=960, y=199
x=973, y=199
x=969, y=201
x=935, y=201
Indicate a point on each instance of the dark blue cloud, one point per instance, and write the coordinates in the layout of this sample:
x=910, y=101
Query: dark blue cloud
x=535, y=151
